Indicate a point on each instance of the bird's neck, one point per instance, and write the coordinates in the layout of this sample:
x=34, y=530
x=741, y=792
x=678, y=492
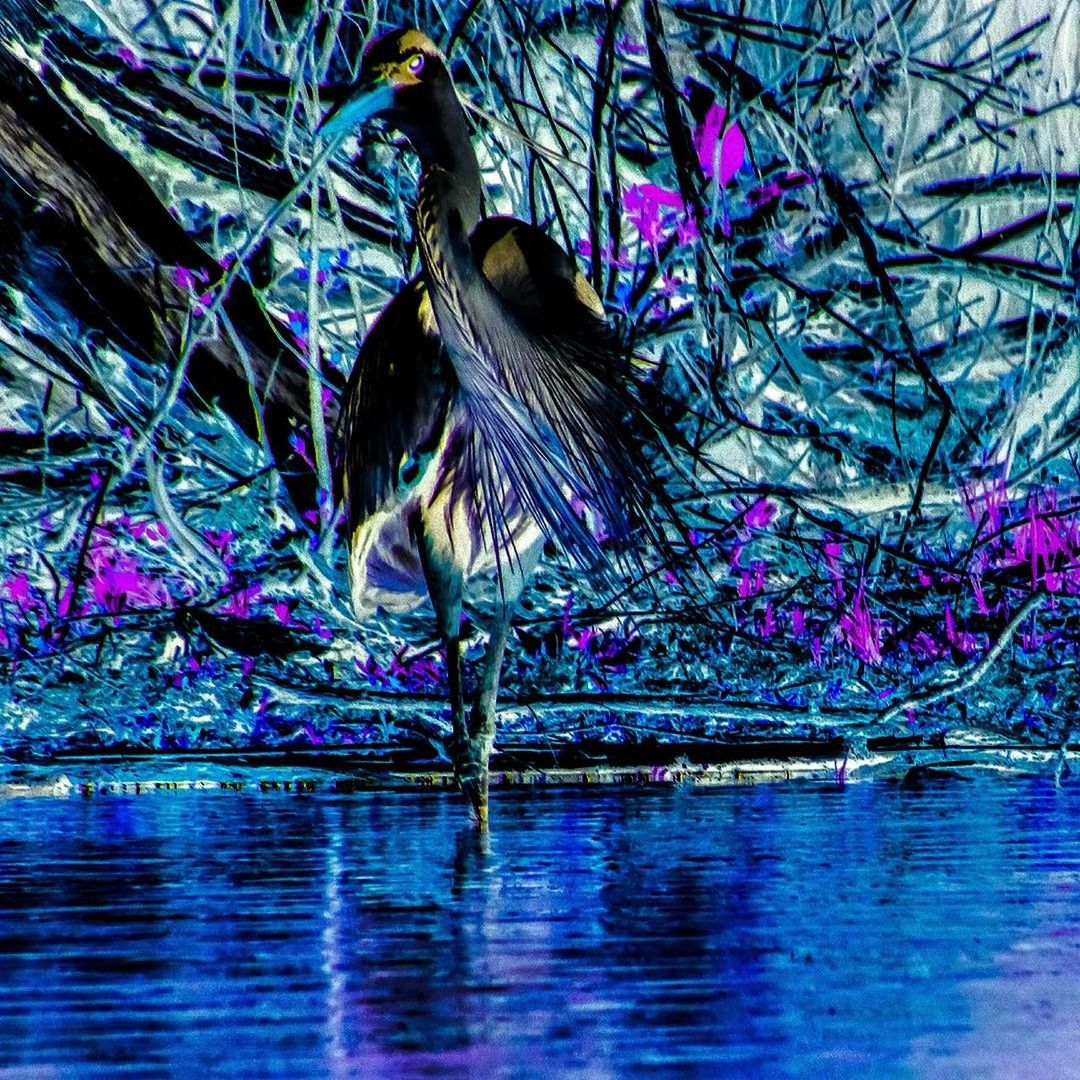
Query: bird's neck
x=444, y=147
x=448, y=208
x=446, y=255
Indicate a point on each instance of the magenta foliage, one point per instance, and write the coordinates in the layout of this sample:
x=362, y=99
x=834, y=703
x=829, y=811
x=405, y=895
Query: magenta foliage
x=1048, y=541
x=626, y=45
x=299, y=444
x=186, y=279
x=221, y=540
x=776, y=189
x=735, y=558
x=18, y=590
x=1045, y=540
x=566, y=625
x=990, y=499
x=282, y=610
x=240, y=603
x=860, y=629
x=925, y=647
x=612, y=649
x=593, y=521
x=621, y=260
x=653, y=211
x=154, y=532
x=183, y=278
x=832, y=551
x=760, y=515
x=840, y=773
x=422, y=671
x=118, y=583
x=127, y=56
x=979, y=593
x=721, y=151
x=658, y=213
x=965, y=644
x=752, y=581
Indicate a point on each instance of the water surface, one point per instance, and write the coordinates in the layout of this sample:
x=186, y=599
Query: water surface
x=769, y=931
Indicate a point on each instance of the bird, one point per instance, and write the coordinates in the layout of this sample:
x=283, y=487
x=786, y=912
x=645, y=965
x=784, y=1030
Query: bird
x=491, y=407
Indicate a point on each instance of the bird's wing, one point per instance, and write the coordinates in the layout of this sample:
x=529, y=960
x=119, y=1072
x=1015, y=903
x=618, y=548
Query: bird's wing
x=560, y=375
x=395, y=403
x=534, y=276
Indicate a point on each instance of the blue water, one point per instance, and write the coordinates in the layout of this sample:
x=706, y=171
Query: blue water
x=768, y=931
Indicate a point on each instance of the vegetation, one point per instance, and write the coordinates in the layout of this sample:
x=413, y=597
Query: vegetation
x=839, y=239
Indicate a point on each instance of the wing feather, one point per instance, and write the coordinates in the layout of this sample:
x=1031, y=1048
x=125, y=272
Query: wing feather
x=395, y=403
x=560, y=373
x=555, y=422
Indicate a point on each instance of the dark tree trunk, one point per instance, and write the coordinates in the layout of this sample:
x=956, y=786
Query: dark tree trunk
x=85, y=236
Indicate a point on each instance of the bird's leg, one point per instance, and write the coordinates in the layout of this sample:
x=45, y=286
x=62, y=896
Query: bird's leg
x=444, y=582
x=459, y=736
x=482, y=720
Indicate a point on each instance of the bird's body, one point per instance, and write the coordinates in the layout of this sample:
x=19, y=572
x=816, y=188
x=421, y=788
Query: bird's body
x=487, y=403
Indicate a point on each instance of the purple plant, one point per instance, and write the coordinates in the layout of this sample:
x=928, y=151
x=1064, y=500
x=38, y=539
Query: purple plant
x=860, y=630
x=721, y=148
x=118, y=583
x=760, y=515
x=240, y=604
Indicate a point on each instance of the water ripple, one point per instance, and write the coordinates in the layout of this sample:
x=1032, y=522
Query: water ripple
x=739, y=932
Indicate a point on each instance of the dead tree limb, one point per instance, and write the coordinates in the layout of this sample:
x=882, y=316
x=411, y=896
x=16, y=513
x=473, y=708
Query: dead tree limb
x=85, y=237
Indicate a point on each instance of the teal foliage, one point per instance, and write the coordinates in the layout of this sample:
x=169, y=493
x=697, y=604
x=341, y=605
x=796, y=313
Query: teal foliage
x=842, y=249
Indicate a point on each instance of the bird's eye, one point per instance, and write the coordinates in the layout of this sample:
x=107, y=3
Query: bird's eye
x=416, y=63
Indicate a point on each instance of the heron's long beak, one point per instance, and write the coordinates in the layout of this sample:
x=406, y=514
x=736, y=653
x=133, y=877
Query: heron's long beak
x=367, y=99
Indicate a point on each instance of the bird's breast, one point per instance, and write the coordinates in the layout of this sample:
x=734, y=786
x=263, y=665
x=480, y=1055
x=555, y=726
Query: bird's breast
x=474, y=523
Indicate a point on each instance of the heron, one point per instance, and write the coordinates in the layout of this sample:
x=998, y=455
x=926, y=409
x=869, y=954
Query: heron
x=491, y=407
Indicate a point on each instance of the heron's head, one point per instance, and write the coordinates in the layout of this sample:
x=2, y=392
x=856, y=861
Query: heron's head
x=403, y=80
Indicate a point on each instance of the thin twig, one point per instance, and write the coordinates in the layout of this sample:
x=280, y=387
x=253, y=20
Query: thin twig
x=966, y=680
